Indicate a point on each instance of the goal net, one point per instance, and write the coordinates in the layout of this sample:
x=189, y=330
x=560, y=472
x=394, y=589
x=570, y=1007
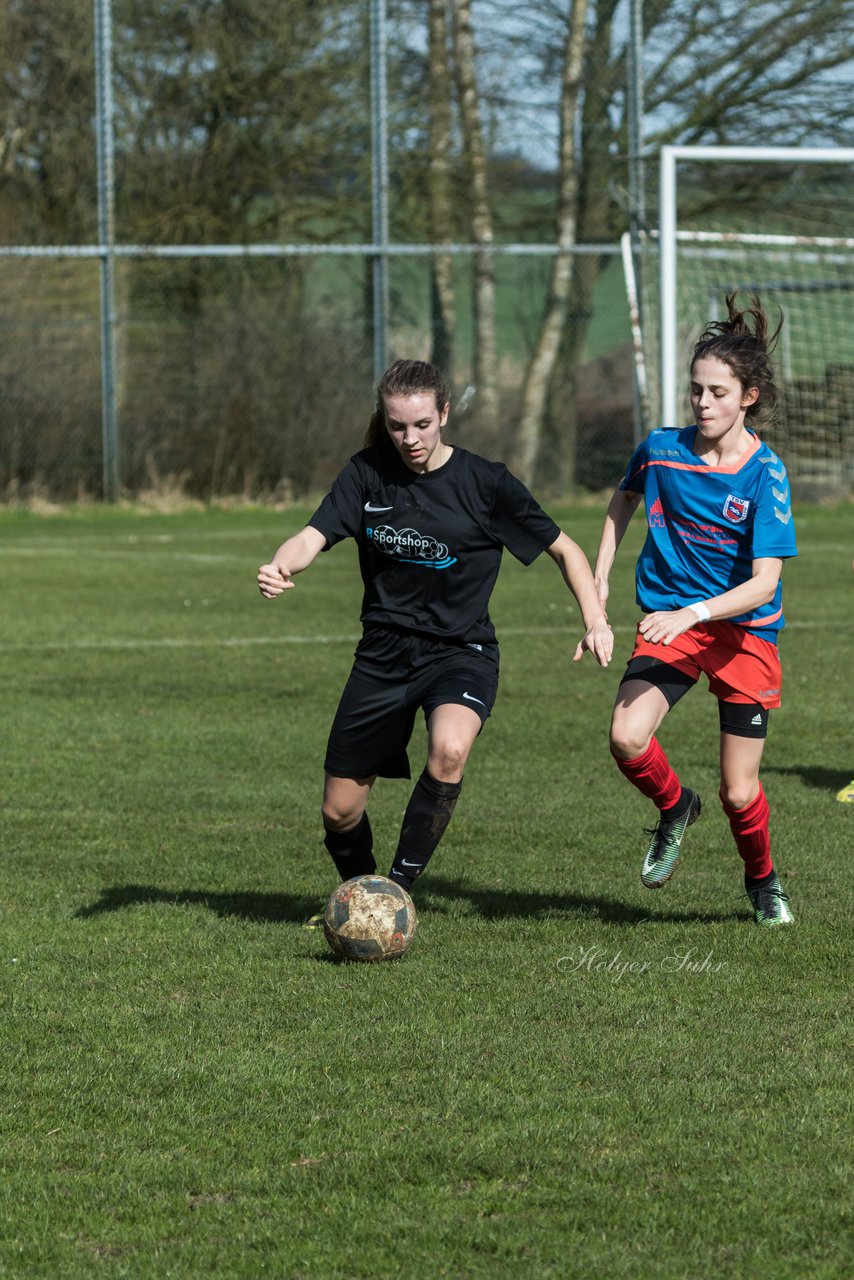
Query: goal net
x=777, y=227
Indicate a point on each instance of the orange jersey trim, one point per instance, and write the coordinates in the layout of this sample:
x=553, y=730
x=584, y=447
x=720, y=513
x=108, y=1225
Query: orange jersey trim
x=702, y=466
x=758, y=622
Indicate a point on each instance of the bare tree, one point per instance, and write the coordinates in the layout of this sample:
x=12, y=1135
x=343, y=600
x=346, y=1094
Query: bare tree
x=474, y=146
x=717, y=72
x=541, y=366
x=444, y=308
x=47, y=98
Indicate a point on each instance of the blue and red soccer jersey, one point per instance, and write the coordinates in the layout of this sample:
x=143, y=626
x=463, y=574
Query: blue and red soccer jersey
x=707, y=524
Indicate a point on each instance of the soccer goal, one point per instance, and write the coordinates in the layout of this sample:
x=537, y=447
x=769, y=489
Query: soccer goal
x=775, y=223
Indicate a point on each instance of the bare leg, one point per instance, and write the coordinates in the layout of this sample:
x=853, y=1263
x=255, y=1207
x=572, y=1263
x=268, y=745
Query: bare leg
x=348, y=836
x=744, y=803
x=740, y=761
x=638, y=712
x=344, y=801
x=451, y=730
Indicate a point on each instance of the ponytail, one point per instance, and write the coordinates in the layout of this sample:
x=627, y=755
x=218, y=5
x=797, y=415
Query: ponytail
x=744, y=343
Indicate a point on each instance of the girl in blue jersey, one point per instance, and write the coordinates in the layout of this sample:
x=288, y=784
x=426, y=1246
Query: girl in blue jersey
x=430, y=521
x=719, y=526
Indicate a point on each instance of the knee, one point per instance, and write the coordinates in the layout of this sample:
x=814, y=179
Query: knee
x=447, y=760
x=627, y=742
x=739, y=794
x=339, y=816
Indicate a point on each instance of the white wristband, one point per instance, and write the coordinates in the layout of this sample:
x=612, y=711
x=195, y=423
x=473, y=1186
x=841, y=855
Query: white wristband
x=702, y=611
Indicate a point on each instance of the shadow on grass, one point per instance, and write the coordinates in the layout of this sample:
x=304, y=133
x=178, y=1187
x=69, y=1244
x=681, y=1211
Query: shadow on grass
x=506, y=904
x=492, y=904
x=438, y=895
x=265, y=908
x=830, y=780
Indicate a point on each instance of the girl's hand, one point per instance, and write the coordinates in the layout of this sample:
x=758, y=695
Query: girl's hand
x=599, y=640
x=662, y=628
x=273, y=579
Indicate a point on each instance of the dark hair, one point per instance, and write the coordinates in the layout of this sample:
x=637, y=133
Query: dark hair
x=746, y=351
x=404, y=378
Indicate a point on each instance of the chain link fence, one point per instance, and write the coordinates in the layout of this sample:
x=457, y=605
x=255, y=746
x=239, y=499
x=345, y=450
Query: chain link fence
x=242, y=295
x=195, y=291
x=253, y=377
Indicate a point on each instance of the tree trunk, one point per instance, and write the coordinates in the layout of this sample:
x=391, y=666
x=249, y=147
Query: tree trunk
x=545, y=354
x=557, y=462
x=485, y=337
x=443, y=302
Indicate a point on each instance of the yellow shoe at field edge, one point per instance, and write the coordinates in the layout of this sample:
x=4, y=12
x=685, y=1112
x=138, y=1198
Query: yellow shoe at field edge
x=846, y=795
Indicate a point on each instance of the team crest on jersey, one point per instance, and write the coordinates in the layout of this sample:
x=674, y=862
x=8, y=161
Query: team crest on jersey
x=655, y=517
x=736, y=509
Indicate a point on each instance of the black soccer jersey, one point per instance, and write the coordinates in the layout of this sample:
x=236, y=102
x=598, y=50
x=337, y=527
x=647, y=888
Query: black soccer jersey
x=430, y=544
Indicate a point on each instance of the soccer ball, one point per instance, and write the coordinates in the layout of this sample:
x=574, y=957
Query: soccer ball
x=369, y=918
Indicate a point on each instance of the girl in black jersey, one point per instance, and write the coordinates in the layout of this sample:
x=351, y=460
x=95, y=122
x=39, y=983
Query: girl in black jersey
x=430, y=521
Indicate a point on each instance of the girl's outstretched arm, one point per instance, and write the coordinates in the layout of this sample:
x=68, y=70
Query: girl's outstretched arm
x=294, y=555
x=621, y=508
x=572, y=562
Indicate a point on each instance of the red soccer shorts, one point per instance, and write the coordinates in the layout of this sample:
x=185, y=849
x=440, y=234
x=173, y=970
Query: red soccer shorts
x=740, y=667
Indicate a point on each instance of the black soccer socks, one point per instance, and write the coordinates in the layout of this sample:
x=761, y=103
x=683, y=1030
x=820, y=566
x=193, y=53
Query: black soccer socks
x=352, y=851
x=428, y=813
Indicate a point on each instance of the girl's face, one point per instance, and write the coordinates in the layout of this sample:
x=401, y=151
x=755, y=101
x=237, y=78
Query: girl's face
x=414, y=424
x=718, y=399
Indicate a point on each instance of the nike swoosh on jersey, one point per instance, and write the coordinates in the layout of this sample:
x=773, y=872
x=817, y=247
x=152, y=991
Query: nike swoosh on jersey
x=370, y=507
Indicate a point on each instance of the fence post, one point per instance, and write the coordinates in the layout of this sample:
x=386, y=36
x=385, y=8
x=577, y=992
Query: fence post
x=637, y=183
x=379, y=183
x=106, y=241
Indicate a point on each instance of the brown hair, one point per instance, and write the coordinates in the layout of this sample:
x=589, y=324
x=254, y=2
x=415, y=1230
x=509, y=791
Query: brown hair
x=745, y=349
x=404, y=378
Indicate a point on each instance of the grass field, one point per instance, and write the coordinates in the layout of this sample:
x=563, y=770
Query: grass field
x=567, y=1076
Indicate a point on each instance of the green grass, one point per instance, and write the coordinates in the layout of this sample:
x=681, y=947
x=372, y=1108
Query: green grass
x=567, y=1076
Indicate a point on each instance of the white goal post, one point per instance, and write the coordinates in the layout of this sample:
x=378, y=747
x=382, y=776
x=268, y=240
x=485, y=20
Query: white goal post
x=671, y=358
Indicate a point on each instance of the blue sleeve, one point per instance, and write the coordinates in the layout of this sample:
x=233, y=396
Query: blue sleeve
x=633, y=480
x=773, y=523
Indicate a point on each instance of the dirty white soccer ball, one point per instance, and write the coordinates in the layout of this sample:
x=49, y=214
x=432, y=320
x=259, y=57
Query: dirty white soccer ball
x=369, y=918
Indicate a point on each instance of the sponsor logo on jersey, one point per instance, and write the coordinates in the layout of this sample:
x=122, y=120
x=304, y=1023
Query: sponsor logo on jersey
x=411, y=547
x=736, y=509
x=656, y=515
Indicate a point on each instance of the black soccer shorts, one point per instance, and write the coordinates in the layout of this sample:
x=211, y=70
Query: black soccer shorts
x=395, y=672
x=741, y=719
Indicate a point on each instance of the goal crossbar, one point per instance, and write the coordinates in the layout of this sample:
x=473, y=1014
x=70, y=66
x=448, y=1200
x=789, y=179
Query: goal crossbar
x=669, y=237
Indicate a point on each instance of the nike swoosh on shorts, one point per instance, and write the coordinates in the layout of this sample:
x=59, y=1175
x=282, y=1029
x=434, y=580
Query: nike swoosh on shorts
x=471, y=698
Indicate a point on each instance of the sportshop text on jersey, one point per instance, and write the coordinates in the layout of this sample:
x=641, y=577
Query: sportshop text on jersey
x=430, y=543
